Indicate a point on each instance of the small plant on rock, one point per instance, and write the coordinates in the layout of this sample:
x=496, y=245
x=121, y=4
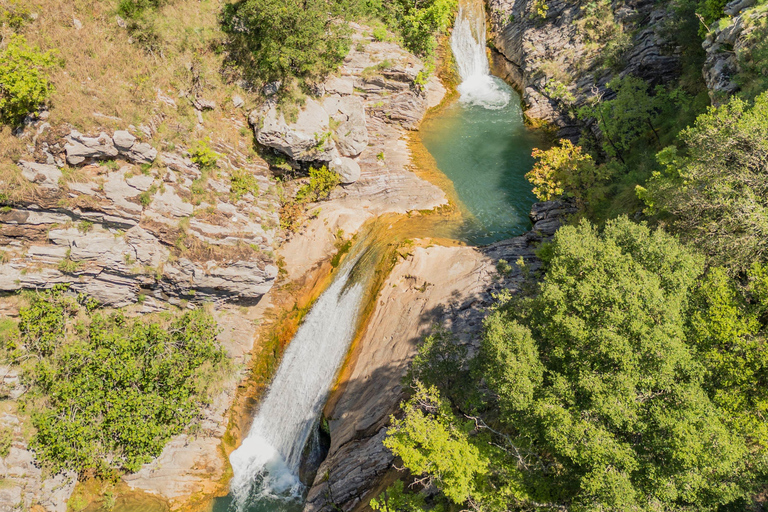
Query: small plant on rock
x=24, y=83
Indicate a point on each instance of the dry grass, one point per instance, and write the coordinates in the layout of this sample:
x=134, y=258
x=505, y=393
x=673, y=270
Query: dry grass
x=106, y=82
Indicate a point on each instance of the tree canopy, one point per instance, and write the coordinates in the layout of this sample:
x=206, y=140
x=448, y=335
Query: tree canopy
x=715, y=186
x=613, y=385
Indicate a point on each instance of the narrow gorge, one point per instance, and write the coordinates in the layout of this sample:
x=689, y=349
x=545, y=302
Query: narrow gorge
x=353, y=255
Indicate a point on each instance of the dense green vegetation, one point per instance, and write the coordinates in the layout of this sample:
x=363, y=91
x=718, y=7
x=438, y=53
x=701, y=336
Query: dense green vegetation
x=628, y=378
x=631, y=371
x=107, y=392
x=298, y=43
x=24, y=82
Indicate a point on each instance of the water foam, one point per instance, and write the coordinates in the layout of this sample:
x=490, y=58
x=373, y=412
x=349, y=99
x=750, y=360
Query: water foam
x=477, y=86
x=266, y=465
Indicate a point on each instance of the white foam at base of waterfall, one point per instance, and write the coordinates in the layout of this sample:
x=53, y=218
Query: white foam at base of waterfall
x=477, y=86
x=266, y=465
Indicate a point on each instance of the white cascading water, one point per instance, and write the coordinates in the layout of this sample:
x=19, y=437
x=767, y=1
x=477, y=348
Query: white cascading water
x=478, y=86
x=266, y=465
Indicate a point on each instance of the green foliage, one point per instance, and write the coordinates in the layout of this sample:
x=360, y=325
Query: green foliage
x=24, y=82
x=624, y=380
x=321, y=182
x=68, y=265
x=752, y=56
x=434, y=444
x=241, y=183
x=564, y=170
x=271, y=40
x=726, y=329
x=420, y=23
x=503, y=267
x=203, y=155
x=380, y=33
x=396, y=499
x=140, y=17
x=6, y=440
x=439, y=361
x=14, y=14
x=715, y=189
x=107, y=391
x=632, y=114
x=710, y=11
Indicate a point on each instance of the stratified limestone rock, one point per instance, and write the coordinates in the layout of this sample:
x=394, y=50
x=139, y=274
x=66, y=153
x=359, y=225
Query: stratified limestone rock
x=534, y=51
x=82, y=149
x=305, y=140
x=724, y=45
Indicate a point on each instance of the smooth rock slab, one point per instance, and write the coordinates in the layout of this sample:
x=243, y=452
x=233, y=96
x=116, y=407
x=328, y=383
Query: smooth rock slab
x=44, y=175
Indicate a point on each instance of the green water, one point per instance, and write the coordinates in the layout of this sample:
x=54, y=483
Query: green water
x=486, y=154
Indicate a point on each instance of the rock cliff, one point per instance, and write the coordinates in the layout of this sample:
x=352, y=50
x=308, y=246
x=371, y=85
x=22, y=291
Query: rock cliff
x=559, y=53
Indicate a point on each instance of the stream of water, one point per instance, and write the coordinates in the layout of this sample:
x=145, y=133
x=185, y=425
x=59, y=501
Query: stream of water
x=480, y=143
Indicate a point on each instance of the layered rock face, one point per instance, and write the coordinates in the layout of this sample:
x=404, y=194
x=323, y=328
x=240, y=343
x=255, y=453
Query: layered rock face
x=540, y=49
x=118, y=231
x=377, y=80
x=449, y=286
x=726, y=42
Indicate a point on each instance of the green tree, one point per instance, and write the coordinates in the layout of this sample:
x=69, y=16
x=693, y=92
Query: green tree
x=613, y=384
x=631, y=114
x=715, y=187
x=271, y=40
x=564, y=170
x=24, y=82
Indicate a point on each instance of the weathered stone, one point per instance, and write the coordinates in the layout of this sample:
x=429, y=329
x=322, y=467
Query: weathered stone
x=347, y=169
x=123, y=140
x=308, y=139
x=351, y=131
x=203, y=104
x=80, y=148
x=44, y=175
x=237, y=101
x=169, y=204
x=342, y=86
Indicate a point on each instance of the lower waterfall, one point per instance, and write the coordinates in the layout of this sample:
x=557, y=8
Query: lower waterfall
x=266, y=465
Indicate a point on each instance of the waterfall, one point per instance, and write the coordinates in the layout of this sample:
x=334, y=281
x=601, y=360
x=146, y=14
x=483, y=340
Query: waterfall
x=266, y=465
x=477, y=86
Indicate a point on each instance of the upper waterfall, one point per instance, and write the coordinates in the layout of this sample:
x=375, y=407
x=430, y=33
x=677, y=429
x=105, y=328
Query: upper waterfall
x=477, y=87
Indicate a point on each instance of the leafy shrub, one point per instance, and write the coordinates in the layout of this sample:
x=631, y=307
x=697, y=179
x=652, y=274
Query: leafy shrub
x=6, y=440
x=380, y=33
x=203, y=155
x=420, y=23
x=321, y=182
x=108, y=391
x=24, y=84
x=242, y=183
x=627, y=368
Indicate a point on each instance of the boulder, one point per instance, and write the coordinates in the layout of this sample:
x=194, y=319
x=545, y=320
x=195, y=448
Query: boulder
x=44, y=175
x=347, y=169
x=351, y=131
x=80, y=148
x=341, y=86
x=307, y=139
x=123, y=140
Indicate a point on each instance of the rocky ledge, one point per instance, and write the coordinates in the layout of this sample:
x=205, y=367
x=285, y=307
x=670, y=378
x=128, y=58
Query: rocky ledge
x=434, y=285
x=122, y=223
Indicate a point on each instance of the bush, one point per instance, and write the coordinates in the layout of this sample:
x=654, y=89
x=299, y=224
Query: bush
x=276, y=40
x=24, y=82
x=242, y=183
x=420, y=23
x=107, y=392
x=321, y=182
x=564, y=170
x=203, y=155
